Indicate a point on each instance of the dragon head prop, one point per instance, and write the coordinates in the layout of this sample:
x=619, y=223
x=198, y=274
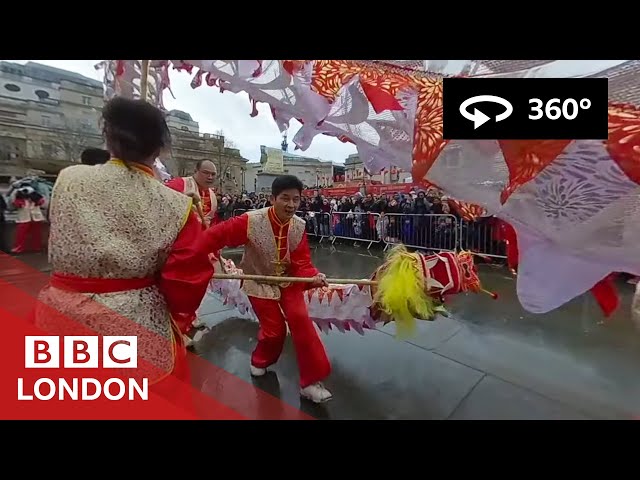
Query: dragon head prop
x=411, y=285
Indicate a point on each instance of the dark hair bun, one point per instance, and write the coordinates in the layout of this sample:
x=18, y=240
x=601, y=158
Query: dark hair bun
x=135, y=130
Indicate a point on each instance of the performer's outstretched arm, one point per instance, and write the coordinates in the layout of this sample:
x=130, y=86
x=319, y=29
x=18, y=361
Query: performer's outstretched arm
x=231, y=233
x=186, y=273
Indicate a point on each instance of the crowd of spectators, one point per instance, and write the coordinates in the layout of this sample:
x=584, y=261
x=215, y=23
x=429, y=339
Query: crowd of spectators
x=419, y=218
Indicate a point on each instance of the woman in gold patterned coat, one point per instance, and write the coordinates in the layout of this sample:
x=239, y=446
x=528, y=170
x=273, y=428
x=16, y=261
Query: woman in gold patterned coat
x=121, y=245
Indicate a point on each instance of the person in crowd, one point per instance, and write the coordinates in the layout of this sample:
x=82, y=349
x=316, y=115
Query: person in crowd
x=29, y=220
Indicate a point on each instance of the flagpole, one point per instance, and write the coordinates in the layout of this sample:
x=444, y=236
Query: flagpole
x=144, y=80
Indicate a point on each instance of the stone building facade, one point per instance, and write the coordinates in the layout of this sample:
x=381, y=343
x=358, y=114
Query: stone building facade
x=48, y=116
x=311, y=171
x=355, y=171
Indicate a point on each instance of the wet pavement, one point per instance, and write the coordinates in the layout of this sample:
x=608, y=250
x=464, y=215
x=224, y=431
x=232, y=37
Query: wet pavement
x=37, y=261
x=489, y=360
x=28, y=278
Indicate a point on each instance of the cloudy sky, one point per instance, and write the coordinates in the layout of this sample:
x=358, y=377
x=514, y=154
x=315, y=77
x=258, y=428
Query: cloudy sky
x=229, y=112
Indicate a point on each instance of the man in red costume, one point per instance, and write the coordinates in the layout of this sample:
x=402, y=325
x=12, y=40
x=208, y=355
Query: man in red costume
x=200, y=187
x=276, y=244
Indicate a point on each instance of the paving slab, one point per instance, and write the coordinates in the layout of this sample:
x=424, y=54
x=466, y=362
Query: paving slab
x=601, y=385
x=495, y=399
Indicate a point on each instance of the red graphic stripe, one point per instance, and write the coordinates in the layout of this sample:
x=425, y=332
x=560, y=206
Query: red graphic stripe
x=223, y=396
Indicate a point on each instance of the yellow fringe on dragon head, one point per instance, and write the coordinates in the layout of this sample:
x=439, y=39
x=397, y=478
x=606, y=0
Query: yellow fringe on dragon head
x=412, y=286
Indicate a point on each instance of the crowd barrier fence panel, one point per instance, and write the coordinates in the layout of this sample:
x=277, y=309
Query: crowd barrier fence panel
x=356, y=226
x=479, y=238
x=429, y=232
x=318, y=224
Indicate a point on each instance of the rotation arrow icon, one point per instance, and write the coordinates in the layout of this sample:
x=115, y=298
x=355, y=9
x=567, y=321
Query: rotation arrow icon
x=478, y=118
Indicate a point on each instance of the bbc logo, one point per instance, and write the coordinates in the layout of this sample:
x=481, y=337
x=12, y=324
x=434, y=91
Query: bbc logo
x=81, y=352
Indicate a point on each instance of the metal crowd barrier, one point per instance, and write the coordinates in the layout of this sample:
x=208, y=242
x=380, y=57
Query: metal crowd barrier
x=479, y=237
x=356, y=226
x=318, y=224
x=225, y=215
x=429, y=232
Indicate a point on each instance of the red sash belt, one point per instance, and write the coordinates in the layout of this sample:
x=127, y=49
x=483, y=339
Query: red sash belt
x=99, y=285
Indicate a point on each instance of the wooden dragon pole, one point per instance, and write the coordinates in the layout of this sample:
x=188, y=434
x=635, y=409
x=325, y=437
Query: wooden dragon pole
x=276, y=279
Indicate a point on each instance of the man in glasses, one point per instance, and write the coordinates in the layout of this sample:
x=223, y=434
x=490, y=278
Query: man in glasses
x=200, y=187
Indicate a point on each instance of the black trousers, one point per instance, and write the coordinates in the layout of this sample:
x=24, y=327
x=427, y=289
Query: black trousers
x=3, y=236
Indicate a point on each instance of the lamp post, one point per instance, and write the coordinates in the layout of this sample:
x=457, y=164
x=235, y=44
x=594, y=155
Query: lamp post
x=220, y=173
x=226, y=173
x=144, y=80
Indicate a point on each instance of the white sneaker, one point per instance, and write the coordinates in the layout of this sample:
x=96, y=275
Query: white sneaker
x=317, y=393
x=197, y=323
x=199, y=334
x=190, y=342
x=257, y=372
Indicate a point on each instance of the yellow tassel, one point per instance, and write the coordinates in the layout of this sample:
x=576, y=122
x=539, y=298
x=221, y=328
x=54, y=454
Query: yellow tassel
x=401, y=293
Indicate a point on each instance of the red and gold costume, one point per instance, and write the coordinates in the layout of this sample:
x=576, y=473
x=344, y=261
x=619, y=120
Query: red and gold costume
x=275, y=248
x=130, y=254
x=188, y=186
x=28, y=225
x=209, y=203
